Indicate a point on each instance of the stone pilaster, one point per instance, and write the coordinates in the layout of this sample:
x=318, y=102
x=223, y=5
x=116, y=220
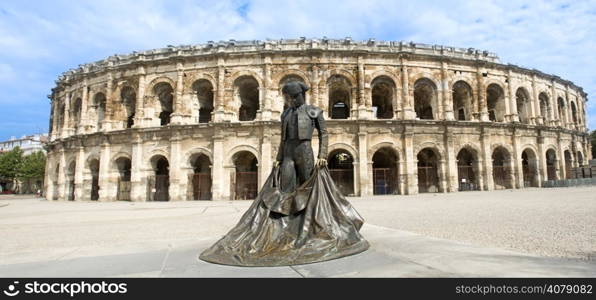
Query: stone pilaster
x=411, y=167
x=176, y=190
x=78, y=176
x=487, y=159
x=61, y=175
x=105, y=188
x=451, y=182
x=365, y=185
x=220, y=190
x=219, y=115
x=510, y=102
x=138, y=191
x=178, y=114
x=446, y=94
x=482, y=107
x=65, y=132
x=407, y=99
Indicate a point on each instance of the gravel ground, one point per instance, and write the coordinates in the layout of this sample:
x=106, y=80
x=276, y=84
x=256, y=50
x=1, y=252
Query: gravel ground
x=547, y=222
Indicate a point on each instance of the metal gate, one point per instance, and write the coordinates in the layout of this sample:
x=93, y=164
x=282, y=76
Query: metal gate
x=384, y=181
x=245, y=185
x=528, y=174
x=501, y=177
x=344, y=180
x=428, y=181
x=568, y=171
x=123, y=190
x=551, y=172
x=466, y=178
x=162, y=186
x=95, y=188
x=201, y=186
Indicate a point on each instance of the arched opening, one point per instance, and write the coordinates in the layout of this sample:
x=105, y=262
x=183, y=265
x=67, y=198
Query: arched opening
x=574, y=112
x=200, y=178
x=501, y=169
x=94, y=170
x=76, y=112
x=529, y=168
x=580, y=159
x=385, y=172
x=425, y=99
x=340, y=90
x=204, y=92
x=246, y=92
x=561, y=107
x=522, y=100
x=165, y=96
x=283, y=81
x=341, y=169
x=123, y=164
x=568, y=165
x=382, y=95
x=99, y=101
x=160, y=184
x=129, y=100
x=495, y=102
x=545, y=110
x=428, y=171
x=551, y=164
x=462, y=101
x=467, y=168
x=70, y=181
x=245, y=176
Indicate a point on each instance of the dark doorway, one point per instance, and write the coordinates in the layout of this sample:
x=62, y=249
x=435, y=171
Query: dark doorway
x=245, y=176
x=124, y=165
x=201, y=177
x=466, y=171
x=341, y=169
x=428, y=177
x=385, y=172
x=501, y=170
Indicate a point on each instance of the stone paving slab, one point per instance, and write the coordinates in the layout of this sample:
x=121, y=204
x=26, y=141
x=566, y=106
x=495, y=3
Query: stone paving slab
x=393, y=253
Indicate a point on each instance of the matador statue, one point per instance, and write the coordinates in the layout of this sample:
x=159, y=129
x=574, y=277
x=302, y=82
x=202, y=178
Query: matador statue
x=299, y=216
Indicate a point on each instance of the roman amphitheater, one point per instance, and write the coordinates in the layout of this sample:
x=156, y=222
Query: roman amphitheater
x=203, y=122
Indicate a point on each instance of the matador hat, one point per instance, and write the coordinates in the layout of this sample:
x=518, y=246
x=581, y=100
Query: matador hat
x=294, y=88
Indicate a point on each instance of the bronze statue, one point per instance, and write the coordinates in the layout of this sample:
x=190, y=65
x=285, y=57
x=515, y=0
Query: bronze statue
x=299, y=216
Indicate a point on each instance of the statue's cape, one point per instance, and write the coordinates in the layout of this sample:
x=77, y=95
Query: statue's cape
x=315, y=223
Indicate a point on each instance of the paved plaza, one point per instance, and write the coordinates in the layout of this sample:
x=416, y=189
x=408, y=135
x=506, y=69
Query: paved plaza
x=511, y=233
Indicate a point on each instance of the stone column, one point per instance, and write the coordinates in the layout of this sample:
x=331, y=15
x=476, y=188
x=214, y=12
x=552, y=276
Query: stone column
x=219, y=114
x=62, y=175
x=555, y=106
x=516, y=165
x=178, y=104
x=411, y=168
x=511, y=101
x=105, y=188
x=106, y=122
x=536, y=113
x=138, y=182
x=403, y=176
x=78, y=176
x=176, y=190
x=561, y=158
x=451, y=163
x=219, y=189
x=407, y=99
x=364, y=107
x=139, y=104
x=569, y=122
x=487, y=159
x=543, y=172
x=66, y=117
x=55, y=110
x=443, y=173
x=265, y=161
x=365, y=189
x=82, y=129
x=48, y=180
x=267, y=101
x=315, y=86
x=447, y=95
x=483, y=109
x=480, y=170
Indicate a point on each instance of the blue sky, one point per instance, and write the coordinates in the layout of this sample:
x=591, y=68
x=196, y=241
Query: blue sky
x=41, y=39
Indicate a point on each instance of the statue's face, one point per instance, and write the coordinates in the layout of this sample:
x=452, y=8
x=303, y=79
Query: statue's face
x=294, y=100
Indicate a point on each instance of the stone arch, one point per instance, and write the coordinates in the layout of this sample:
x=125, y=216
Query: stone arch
x=340, y=96
x=119, y=154
x=502, y=168
x=462, y=95
x=428, y=164
x=545, y=109
x=163, y=95
x=341, y=168
x=122, y=164
x=200, y=169
x=568, y=159
x=426, y=99
x=436, y=147
x=371, y=150
x=551, y=163
x=92, y=165
x=342, y=72
x=562, y=108
x=247, y=94
x=385, y=170
x=522, y=102
x=99, y=105
x=196, y=151
x=391, y=75
x=574, y=116
x=194, y=77
x=240, y=148
x=383, y=96
x=159, y=182
x=77, y=109
x=243, y=73
x=150, y=87
x=128, y=98
x=343, y=146
x=495, y=102
x=204, y=95
x=529, y=161
x=245, y=174
x=580, y=159
x=468, y=168
x=279, y=76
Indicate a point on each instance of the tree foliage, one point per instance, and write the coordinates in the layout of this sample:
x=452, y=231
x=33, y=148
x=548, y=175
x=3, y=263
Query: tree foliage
x=10, y=163
x=32, y=166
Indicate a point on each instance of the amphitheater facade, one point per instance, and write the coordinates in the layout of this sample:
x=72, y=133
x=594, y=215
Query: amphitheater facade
x=203, y=122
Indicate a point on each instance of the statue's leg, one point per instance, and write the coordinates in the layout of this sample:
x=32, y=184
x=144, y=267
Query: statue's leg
x=304, y=161
x=288, y=180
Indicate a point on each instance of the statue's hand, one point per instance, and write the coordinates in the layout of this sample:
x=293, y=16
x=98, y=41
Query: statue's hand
x=321, y=162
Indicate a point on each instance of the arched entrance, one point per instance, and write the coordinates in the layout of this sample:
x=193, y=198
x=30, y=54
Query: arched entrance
x=462, y=101
x=580, y=159
x=123, y=165
x=340, y=91
x=385, y=172
x=425, y=95
x=467, y=167
x=428, y=175
x=129, y=99
x=200, y=178
x=161, y=183
x=551, y=164
x=382, y=94
x=70, y=181
x=165, y=96
x=495, y=102
x=94, y=170
x=245, y=176
x=522, y=100
x=246, y=93
x=341, y=169
x=568, y=165
x=501, y=170
x=529, y=168
x=204, y=94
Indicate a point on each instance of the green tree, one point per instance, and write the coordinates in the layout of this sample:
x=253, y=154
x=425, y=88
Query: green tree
x=32, y=166
x=10, y=163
